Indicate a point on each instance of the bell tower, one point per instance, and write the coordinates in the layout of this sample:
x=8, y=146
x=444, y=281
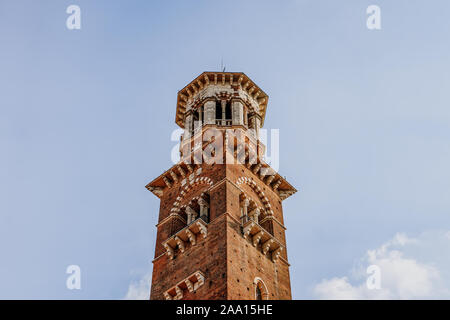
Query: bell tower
x=220, y=232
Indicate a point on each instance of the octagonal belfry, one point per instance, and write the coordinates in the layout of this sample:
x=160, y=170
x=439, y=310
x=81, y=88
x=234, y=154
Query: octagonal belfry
x=220, y=232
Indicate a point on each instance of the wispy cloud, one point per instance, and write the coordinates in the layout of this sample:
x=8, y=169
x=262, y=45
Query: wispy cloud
x=140, y=290
x=411, y=268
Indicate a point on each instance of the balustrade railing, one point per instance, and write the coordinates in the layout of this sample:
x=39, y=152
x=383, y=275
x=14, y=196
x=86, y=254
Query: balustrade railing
x=226, y=122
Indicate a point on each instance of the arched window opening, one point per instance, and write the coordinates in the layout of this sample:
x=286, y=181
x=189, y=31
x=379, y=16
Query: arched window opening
x=223, y=113
x=250, y=121
x=248, y=208
x=197, y=117
x=261, y=292
x=228, y=112
x=258, y=294
x=197, y=208
x=177, y=224
x=218, y=112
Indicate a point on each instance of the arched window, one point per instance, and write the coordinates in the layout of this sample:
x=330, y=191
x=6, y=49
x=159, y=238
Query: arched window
x=228, y=111
x=223, y=116
x=261, y=292
x=195, y=115
x=218, y=110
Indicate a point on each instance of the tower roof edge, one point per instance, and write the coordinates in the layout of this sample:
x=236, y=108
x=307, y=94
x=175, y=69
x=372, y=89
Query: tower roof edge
x=190, y=92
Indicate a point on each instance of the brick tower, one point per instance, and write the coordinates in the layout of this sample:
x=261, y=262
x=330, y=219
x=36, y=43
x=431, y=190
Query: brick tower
x=220, y=233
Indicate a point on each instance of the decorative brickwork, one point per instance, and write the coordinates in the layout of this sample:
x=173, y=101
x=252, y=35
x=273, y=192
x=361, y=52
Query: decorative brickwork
x=191, y=283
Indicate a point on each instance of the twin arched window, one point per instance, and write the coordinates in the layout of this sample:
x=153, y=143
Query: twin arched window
x=223, y=115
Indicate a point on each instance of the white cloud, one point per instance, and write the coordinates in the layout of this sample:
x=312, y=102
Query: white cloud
x=139, y=290
x=411, y=268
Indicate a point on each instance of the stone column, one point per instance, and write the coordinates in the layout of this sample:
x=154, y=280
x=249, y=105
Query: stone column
x=191, y=215
x=237, y=113
x=223, y=104
x=254, y=215
x=203, y=209
x=210, y=112
x=188, y=126
x=245, y=205
x=257, y=122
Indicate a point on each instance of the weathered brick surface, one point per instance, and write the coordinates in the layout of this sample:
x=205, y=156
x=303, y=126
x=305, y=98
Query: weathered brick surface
x=234, y=172
x=208, y=256
x=246, y=262
x=230, y=262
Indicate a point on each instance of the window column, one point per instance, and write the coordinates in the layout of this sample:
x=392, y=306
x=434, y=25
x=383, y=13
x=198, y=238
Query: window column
x=210, y=112
x=203, y=209
x=223, y=104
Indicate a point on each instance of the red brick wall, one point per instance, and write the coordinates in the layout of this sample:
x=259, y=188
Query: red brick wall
x=229, y=262
x=208, y=256
x=246, y=262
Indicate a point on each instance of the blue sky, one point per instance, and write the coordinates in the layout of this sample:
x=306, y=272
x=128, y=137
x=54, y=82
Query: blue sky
x=86, y=117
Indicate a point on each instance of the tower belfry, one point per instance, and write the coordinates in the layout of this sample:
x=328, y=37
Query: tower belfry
x=220, y=232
